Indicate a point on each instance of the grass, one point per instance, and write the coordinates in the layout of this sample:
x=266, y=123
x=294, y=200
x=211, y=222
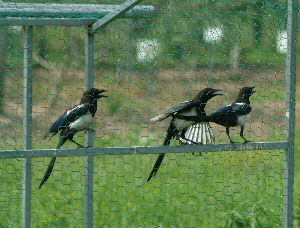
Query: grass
x=234, y=189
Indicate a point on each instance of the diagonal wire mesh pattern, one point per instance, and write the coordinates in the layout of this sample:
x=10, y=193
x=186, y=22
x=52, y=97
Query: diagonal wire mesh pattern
x=148, y=63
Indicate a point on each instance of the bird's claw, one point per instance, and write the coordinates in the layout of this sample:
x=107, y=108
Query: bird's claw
x=232, y=142
x=248, y=141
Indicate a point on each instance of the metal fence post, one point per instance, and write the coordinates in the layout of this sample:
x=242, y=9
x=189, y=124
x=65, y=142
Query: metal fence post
x=290, y=112
x=27, y=125
x=88, y=160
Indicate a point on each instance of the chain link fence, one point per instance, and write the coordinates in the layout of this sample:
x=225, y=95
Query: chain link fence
x=149, y=60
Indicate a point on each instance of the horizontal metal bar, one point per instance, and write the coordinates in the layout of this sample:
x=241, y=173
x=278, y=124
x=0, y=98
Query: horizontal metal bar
x=68, y=10
x=4, y=154
x=125, y=7
x=59, y=6
x=46, y=21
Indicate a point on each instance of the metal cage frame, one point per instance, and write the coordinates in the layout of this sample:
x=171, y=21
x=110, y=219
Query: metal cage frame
x=12, y=14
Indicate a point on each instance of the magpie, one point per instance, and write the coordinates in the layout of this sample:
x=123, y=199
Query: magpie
x=232, y=115
x=75, y=119
x=178, y=127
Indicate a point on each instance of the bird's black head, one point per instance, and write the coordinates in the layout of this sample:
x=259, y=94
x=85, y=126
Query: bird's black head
x=91, y=95
x=244, y=94
x=204, y=95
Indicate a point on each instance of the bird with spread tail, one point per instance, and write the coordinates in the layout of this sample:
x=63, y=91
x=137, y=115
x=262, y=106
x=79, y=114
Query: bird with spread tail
x=199, y=134
x=233, y=115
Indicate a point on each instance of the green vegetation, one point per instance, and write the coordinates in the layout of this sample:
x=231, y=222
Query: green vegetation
x=210, y=190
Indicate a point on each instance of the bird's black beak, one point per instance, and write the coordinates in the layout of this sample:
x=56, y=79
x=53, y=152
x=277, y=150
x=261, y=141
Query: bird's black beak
x=215, y=93
x=99, y=93
x=253, y=91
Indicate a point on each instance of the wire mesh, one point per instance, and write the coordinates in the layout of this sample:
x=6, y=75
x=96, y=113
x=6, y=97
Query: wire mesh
x=149, y=65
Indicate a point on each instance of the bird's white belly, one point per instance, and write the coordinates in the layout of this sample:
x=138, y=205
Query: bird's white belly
x=241, y=120
x=182, y=124
x=82, y=123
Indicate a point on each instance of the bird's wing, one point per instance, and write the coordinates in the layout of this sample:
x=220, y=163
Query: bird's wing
x=241, y=108
x=173, y=110
x=68, y=117
x=233, y=109
x=225, y=111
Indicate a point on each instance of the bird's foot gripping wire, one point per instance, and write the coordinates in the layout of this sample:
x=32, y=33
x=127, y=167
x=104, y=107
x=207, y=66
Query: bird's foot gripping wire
x=232, y=142
x=194, y=143
x=185, y=141
x=79, y=145
x=247, y=141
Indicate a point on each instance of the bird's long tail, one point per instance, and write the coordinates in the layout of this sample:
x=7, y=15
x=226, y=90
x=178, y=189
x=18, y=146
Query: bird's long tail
x=48, y=172
x=199, y=133
x=51, y=134
x=161, y=156
x=51, y=164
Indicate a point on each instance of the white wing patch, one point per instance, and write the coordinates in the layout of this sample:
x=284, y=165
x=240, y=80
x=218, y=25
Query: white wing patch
x=71, y=110
x=182, y=124
x=82, y=123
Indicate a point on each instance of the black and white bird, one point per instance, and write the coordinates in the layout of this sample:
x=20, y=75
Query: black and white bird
x=232, y=115
x=75, y=119
x=178, y=127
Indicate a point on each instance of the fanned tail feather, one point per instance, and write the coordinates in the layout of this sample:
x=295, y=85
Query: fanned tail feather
x=200, y=133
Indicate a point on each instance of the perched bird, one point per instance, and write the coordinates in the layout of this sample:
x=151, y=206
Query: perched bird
x=177, y=127
x=75, y=119
x=232, y=115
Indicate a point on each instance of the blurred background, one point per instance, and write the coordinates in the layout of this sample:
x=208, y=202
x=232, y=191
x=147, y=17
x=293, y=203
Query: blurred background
x=149, y=65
